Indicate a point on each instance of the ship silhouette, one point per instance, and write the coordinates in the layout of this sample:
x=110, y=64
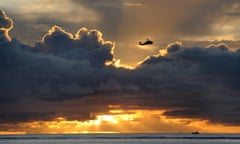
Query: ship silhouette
x=195, y=132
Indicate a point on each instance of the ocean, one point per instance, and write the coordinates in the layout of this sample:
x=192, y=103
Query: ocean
x=122, y=139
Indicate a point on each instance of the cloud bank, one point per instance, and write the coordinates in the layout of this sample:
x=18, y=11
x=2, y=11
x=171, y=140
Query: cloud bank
x=66, y=75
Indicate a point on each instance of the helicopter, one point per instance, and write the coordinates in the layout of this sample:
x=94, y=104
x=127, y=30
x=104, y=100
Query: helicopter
x=147, y=42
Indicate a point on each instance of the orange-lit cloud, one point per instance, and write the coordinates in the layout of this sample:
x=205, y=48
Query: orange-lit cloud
x=123, y=121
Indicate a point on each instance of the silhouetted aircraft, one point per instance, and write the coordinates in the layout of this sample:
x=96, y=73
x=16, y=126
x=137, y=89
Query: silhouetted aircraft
x=147, y=42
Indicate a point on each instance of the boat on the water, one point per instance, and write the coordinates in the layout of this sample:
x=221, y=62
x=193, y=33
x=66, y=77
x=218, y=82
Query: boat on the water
x=195, y=132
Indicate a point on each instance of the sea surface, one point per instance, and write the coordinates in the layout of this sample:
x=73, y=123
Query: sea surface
x=122, y=139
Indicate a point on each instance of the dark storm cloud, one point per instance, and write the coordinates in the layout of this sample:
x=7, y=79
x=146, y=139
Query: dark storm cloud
x=202, y=81
x=49, y=69
x=85, y=45
x=65, y=75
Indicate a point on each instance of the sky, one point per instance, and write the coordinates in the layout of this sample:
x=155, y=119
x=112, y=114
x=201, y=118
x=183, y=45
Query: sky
x=75, y=66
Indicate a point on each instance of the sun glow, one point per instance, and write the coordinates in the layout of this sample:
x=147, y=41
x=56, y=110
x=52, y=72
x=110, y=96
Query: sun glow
x=163, y=52
x=117, y=63
x=125, y=121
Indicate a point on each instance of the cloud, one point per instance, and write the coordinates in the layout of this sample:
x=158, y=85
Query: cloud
x=65, y=75
x=6, y=24
x=220, y=46
x=48, y=67
x=200, y=82
x=85, y=45
x=174, y=47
